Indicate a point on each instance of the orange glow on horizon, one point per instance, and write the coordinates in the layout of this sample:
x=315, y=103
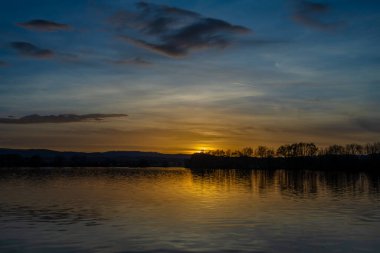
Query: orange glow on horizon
x=202, y=149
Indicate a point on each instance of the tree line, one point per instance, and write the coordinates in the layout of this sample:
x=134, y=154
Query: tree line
x=300, y=149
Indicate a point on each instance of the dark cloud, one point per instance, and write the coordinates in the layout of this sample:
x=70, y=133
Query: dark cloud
x=133, y=61
x=368, y=124
x=28, y=49
x=3, y=63
x=175, y=32
x=43, y=25
x=338, y=128
x=149, y=7
x=61, y=118
x=152, y=18
x=310, y=14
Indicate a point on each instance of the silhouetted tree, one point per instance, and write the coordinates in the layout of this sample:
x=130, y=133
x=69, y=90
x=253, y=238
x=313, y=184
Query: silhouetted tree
x=283, y=151
x=354, y=149
x=247, y=151
x=311, y=149
x=335, y=150
x=264, y=152
x=372, y=148
x=297, y=149
x=236, y=153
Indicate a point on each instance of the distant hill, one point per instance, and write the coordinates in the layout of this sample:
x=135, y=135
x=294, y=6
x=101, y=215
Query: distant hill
x=45, y=157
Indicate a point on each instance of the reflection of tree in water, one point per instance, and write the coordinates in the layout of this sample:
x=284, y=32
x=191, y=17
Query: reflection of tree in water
x=353, y=183
x=299, y=183
x=263, y=181
x=222, y=179
x=260, y=181
x=302, y=183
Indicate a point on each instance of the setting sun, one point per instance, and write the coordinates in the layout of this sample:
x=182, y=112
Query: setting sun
x=203, y=149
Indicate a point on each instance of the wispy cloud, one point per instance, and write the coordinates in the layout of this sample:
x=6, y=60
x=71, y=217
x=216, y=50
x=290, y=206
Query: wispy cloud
x=176, y=32
x=310, y=14
x=133, y=61
x=61, y=118
x=28, y=49
x=43, y=25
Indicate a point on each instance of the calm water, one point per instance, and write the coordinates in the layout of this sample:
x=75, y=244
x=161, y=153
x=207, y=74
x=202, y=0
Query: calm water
x=177, y=210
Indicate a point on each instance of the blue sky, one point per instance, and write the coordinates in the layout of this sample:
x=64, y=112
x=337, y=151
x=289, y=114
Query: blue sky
x=189, y=74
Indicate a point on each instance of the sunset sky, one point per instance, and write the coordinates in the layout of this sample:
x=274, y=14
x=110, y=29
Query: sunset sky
x=184, y=75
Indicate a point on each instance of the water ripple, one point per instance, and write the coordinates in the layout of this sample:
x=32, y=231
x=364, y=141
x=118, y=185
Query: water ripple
x=178, y=210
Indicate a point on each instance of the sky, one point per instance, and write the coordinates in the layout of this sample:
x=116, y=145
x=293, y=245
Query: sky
x=179, y=76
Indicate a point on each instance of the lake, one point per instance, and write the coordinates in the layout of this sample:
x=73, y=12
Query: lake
x=179, y=210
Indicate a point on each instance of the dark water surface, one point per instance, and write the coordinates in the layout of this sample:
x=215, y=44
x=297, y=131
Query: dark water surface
x=179, y=210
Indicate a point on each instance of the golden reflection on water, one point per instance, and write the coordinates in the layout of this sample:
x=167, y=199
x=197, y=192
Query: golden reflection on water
x=105, y=184
x=147, y=209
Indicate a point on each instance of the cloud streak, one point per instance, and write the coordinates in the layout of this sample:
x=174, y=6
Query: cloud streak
x=43, y=25
x=367, y=124
x=133, y=61
x=61, y=118
x=310, y=14
x=175, y=32
x=30, y=50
